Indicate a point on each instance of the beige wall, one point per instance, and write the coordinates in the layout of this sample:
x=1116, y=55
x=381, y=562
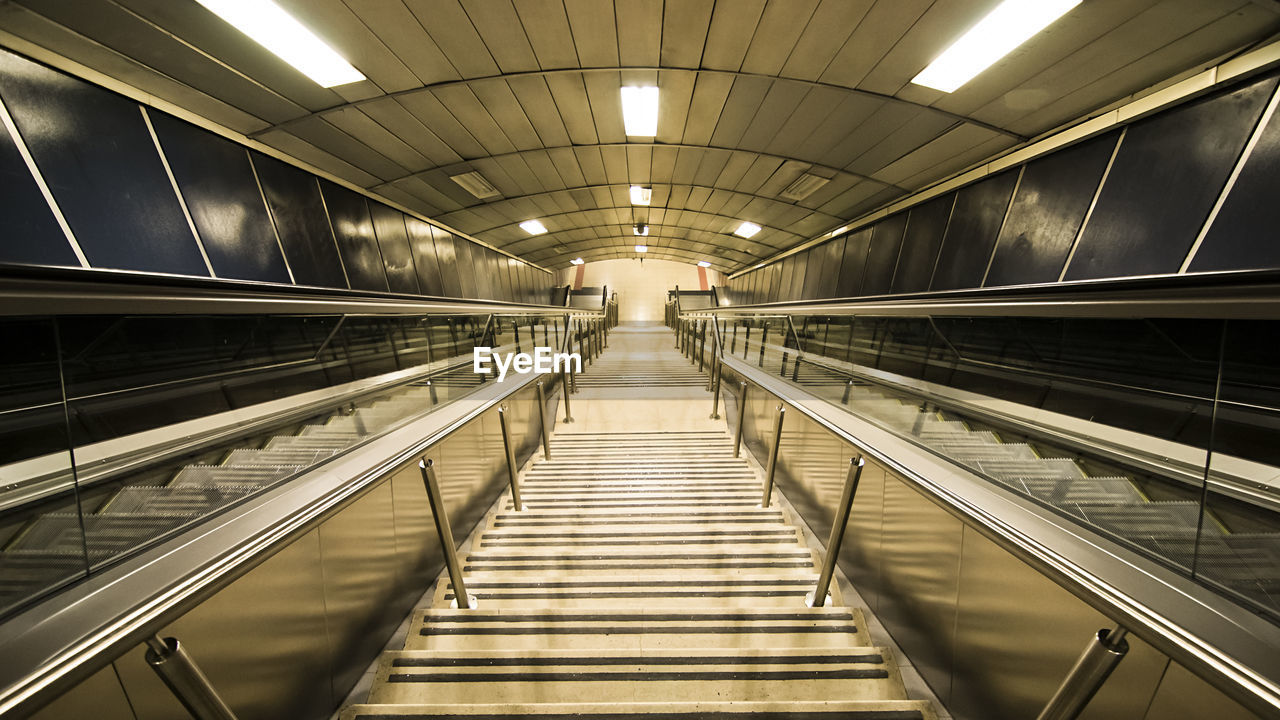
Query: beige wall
x=641, y=287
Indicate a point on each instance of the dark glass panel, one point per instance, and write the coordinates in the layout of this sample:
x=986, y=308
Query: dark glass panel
x=393, y=241
x=466, y=267
x=886, y=241
x=349, y=215
x=925, y=227
x=813, y=273
x=799, y=267
x=97, y=156
x=1167, y=174
x=222, y=196
x=301, y=222
x=975, y=222
x=29, y=233
x=1044, y=219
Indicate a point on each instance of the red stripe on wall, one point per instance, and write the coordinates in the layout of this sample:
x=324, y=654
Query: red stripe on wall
x=582, y=271
x=702, y=277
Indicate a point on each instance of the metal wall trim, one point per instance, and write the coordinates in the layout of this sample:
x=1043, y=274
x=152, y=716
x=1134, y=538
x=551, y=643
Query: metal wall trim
x=1097, y=193
x=1008, y=210
x=182, y=201
x=21, y=144
x=333, y=233
x=275, y=230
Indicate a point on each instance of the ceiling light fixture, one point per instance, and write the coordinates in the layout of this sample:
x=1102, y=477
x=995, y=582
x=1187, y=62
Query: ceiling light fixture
x=474, y=183
x=640, y=111
x=641, y=195
x=747, y=230
x=641, y=229
x=803, y=187
x=577, y=261
x=642, y=248
x=703, y=263
x=533, y=227
x=1012, y=23
x=276, y=30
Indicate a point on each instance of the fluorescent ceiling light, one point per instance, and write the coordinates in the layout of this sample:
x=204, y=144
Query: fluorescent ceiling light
x=279, y=32
x=703, y=263
x=641, y=229
x=1012, y=23
x=640, y=111
x=642, y=248
x=577, y=261
x=533, y=227
x=641, y=195
x=747, y=229
x=474, y=183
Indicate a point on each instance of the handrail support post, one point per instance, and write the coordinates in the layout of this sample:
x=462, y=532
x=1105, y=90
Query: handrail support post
x=1104, y=652
x=185, y=679
x=441, y=517
x=773, y=458
x=819, y=596
x=512, y=471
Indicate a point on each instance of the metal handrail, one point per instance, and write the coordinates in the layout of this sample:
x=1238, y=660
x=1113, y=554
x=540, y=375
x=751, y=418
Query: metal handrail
x=1231, y=646
x=62, y=641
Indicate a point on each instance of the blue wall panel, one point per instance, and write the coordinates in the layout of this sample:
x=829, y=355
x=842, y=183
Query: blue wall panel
x=221, y=193
x=97, y=156
x=29, y=234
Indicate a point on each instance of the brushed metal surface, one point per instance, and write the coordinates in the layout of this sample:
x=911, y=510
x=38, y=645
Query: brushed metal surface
x=1017, y=635
x=262, y=641
x=1183, y=695
x=99, y=697
x=920, y=572
x=360, y=576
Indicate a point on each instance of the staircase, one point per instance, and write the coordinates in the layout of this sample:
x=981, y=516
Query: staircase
x=641, y=579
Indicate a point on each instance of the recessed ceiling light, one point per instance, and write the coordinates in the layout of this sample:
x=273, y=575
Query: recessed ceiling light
x=474, y=183
x=641, y=229
x=577, y=261
x=703, y=263
x=533, y=227
x=641, y=195
x=642, y=248
x=640, y=111
x=279, y=32
x=1012, y=23
x=747, y=229
x=803, y=187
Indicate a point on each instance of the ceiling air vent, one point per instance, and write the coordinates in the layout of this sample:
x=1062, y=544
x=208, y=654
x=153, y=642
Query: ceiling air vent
x=803, y=187
x=474, y=183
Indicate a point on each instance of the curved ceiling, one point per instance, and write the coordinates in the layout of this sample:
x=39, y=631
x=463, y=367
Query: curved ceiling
x=754, y=94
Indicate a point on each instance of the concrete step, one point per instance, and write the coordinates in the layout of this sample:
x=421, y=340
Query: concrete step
x=627, y=676
x=546, y=590
x=481, y=629
x=712, y=710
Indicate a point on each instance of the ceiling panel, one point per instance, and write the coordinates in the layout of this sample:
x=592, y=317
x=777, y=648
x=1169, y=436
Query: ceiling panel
x=754, y=93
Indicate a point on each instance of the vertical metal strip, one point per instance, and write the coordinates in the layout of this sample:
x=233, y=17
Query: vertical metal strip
x=1017, y=184
x=333, y=233
x=1097, y=193
x=44, y=187
x=955, y=200
x=271, y=217
x=1231, y=181
x=182, y=202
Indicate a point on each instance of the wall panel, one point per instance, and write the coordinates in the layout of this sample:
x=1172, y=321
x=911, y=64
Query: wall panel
x=301, y=221
x=353, y=228
x=447, y=255
x=1166, y=176
x=29, y=233
x=925, y=226
x=221, y=194
x=975, y=222
x=423, y=246
x=1046, y=214
x=115, y=195
x=886, y=242
x=393, y=242
x=854, y=262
